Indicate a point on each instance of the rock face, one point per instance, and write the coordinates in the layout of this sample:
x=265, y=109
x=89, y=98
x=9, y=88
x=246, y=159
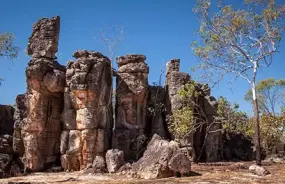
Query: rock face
x=20, y=118
x=114, y=160
x=87, y=112
x=159, y=159
x=131, y=100
x=6, y=119
x=40, y=131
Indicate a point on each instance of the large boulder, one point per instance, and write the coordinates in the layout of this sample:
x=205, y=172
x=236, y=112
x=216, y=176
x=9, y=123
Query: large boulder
x=180, y=163
x=160, y=160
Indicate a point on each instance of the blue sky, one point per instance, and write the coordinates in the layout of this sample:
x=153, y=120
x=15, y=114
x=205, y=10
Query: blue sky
x=160, y=29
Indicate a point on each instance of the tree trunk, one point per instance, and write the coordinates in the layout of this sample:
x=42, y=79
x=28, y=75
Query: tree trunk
x=256, y=126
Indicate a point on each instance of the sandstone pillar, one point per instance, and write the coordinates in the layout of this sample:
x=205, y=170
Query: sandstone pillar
x=131, y=99
x=87, y=112
x=45, y=85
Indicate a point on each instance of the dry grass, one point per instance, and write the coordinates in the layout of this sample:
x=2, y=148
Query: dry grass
x=220, y=173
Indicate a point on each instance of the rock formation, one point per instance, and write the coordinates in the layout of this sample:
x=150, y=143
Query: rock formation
x=205, y=145
x=41, y=130
x=87, y=112
x=67, y=113
x=131, y=100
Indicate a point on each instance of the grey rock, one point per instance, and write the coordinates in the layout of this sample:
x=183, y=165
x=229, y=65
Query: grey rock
x=258, y=170
x=99, y=164
x=181, y=163
x=155, y=160
x=44, y=39
x=114, y=160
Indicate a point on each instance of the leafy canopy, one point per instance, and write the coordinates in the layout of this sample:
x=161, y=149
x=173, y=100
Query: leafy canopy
x=234, y=40
x=271, y=95
x=7, y=47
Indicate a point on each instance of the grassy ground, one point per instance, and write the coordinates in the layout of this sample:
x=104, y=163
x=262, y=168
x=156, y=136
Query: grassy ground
x=220, y=173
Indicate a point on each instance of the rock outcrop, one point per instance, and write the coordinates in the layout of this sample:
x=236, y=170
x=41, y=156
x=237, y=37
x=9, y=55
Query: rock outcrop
x=40, y=131
x=159, y=159
x=87, y=112
x=131, y=100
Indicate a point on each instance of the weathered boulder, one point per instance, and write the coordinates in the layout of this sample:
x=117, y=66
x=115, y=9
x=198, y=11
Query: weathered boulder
x=131, y=99
x=114, y=160
x=159, y=159
x=6, y=119
x=87, y=115
x=258, y=170
x=40, y=128
x=180, y=162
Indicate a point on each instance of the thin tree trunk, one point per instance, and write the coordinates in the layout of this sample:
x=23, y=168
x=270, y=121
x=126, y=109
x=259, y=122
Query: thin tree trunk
x=256, y=118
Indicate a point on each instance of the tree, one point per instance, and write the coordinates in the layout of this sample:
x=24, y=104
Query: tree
x=239, y=42
x=234, y=120
x=7, y=47
x=271, y=93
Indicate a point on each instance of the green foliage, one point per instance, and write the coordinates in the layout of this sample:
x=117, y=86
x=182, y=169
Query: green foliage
x=271, y=95
x=235, y=40
x=234, y=121
x=271, y=130
x=237, y=122
x=7, y=47
x=182, y=121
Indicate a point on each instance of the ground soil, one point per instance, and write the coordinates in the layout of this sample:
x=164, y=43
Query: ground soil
x=220, y=173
